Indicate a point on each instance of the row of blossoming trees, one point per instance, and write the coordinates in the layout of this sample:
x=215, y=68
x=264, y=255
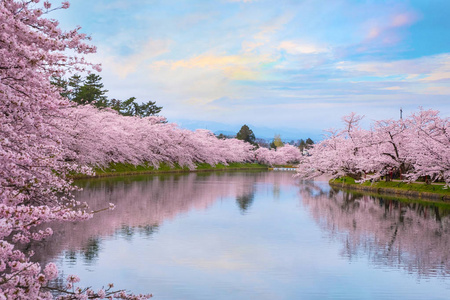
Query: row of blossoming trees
x=415, y=147
x=43, y=138
x=98, y=137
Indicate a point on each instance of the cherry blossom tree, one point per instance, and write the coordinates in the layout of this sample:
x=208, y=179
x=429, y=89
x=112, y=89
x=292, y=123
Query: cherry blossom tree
x=284, y=155
x=387, y=149
x=417, y=147
x=429, y=145
x=288, y=154
x=33, y=171
x=341, y=153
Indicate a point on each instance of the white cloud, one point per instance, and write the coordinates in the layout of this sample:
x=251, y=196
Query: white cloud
x=392, y=88
x=126, y=65
x=269, y=28
x=436, y=90
x=248, y=46
x=427, y=68
x=299, y=47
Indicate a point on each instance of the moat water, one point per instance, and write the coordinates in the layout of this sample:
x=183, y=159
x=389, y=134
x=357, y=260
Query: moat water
x=253, y=235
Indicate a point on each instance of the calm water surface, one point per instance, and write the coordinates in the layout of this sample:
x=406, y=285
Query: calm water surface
x=254, y=235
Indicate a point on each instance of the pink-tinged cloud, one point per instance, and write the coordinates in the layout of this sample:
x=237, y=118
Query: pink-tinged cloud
x=392, y=88
x=374, y=32
x=386, y=29
x=404, y=19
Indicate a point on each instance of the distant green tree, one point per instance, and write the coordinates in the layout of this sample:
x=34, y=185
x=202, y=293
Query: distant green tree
x=74, y=83
x=83, y=91
x=302, y=145
x=277, y=142
x=148, y=109
x=246, y=134
x=272, y=145
x=309, y=142
x=130, y=107
x=115, y=104
x=91, y=91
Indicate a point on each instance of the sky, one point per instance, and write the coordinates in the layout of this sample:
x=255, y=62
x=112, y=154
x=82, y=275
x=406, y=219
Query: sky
x=292, y=67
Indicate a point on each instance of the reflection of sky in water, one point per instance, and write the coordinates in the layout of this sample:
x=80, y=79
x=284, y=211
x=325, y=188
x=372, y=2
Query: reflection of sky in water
x=273, y=249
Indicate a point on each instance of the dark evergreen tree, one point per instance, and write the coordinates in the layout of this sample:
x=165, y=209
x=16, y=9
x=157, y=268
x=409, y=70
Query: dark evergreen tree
x=130, y=107
x=246, y=134
x=309, y=142
x=302, y=145
x=91, y=91
x=148, y=109
x=75, y=82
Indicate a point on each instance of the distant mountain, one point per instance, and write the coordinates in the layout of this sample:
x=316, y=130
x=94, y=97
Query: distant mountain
x=267, y=133
x=224, y=132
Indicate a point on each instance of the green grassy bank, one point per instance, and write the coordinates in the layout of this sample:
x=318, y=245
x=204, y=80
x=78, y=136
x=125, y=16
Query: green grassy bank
x=121, y=169
x=397, y=188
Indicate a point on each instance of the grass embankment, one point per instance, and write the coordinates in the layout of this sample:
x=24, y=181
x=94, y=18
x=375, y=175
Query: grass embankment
x=398, y=188
x=120, y=169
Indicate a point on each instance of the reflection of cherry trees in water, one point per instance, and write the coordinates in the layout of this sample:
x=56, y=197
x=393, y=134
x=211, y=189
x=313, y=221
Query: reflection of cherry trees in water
x=411, y=236
x=143, y=203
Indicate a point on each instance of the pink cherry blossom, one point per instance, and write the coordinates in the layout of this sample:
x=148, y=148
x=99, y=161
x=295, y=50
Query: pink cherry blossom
x=415, y=147
x=34, y=187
